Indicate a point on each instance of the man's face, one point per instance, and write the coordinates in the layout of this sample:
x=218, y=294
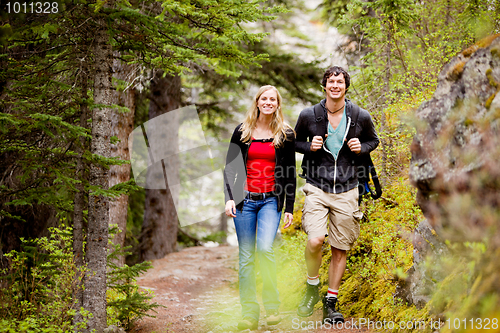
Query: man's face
x=335, y=87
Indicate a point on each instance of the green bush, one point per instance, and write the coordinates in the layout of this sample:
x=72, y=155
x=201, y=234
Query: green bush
x=41, y=282
x=126, y=302
x=381, y=257
x=291, y=271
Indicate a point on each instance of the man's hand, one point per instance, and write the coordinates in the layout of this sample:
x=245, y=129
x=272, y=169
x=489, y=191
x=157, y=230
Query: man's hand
x=288, y=220
x=230, y=208
x=354, y=145
x=317, y=142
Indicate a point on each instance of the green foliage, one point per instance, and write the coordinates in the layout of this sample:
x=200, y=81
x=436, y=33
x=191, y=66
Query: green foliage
x=298, y=80
x=218, y=237
x=126, y=302
x=40, y=110
x=405, y=43
x=470, y=286
x=202, y=34
x=382, y=255
x=135, y=215
x=291, y=270
x=48, y=60
x=40, y=285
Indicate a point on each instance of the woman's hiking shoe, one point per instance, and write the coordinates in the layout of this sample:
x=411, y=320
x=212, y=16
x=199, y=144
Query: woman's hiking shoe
x=248, y=324
x=306, y=306
x=273, y=317
x=330, y=312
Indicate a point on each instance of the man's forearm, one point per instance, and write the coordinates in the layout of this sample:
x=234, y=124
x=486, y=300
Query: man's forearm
x=302, y=147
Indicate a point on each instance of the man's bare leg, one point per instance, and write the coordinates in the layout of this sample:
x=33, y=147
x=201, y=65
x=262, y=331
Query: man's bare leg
x=335, y=273
x=337, y=268
x=313, y=256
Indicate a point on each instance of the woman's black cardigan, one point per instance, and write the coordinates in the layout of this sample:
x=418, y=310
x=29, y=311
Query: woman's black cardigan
x=284, y=172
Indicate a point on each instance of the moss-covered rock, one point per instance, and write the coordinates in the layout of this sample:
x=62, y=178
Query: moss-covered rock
x=455, y=169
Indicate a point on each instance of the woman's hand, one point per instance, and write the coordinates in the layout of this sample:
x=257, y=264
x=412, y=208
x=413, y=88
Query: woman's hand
x=230, y=208
x=288, y=220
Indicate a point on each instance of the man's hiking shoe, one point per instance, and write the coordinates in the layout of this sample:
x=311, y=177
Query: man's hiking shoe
x=248, y=324
x=330, y=312
x=306, y=307
x=273, y=317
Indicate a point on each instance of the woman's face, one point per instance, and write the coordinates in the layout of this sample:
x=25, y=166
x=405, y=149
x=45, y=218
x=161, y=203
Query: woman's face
x=268, y=102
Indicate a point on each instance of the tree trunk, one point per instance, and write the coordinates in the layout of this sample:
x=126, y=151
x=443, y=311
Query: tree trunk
x=223, y=226
x=94, y=296
x=80, y=195
x=122, y=124
x=160, y=223
x=383, y=120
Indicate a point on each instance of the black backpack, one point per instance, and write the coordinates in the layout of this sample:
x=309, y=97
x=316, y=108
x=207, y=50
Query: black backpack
x=365, y=167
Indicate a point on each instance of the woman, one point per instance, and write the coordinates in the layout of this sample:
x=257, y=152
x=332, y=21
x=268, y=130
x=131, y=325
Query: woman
x=259, y=176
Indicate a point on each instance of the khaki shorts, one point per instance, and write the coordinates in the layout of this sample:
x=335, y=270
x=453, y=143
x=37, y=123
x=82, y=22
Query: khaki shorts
x=334, y=215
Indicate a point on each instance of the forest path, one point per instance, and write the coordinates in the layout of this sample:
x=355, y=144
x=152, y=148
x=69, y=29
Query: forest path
x=198, y=286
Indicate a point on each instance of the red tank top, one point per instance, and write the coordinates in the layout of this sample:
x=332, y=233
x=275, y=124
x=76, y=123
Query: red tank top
x=261, y=162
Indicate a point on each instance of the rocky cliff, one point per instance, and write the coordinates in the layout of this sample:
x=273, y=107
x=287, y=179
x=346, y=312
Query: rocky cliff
x=456, y=161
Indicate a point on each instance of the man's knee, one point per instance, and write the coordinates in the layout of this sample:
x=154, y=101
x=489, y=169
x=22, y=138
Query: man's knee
x=338, y=254
x=315, y=244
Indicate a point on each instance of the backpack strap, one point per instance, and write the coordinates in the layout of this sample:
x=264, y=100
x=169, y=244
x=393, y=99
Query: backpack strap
x=319, y=123
x=320, y=120
x=368, y=171
x=365, y=162
x=378, y=189
x=354, y=120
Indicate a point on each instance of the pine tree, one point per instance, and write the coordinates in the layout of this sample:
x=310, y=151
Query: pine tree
x=41, y=105
x=160, y=223
x=94, y=294
x=122, y=122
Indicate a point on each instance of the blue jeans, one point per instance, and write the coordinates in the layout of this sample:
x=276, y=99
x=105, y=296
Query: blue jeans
x=257, y=223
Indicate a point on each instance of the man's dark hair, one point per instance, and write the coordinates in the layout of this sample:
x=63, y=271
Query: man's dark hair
x=336, y=70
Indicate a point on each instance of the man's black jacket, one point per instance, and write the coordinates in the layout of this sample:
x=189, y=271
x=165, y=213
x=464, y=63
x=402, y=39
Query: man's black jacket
x=284, y=172
x=319, y=167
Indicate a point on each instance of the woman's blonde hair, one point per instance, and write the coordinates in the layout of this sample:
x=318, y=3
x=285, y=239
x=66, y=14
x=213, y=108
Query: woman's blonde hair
x=278, y=125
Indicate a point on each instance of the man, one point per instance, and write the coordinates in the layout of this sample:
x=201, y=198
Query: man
x=331, y=135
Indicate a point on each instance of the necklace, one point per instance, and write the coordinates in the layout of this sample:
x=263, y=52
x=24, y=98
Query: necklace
x=333, y=112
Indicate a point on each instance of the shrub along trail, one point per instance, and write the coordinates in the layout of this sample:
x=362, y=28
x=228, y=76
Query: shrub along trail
x=199, y=288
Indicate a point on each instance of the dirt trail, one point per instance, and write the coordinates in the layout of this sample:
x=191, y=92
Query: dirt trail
x=198, y=286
